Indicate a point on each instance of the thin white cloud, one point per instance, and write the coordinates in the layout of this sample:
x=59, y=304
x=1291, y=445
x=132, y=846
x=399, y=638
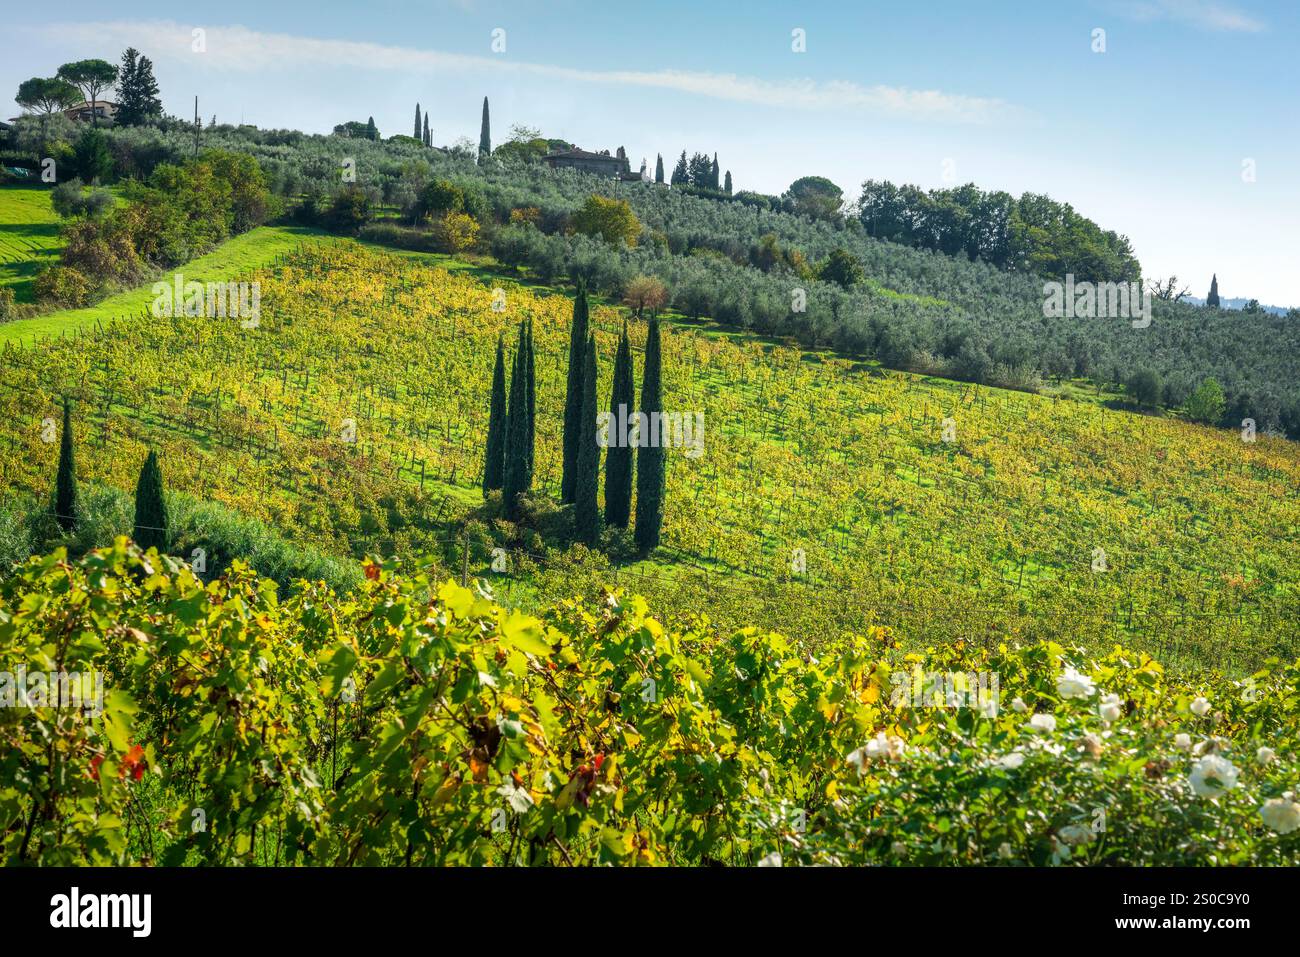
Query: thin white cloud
x=237, y=48
x=1205, y=14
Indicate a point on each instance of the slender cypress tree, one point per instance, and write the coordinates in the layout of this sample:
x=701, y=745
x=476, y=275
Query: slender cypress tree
x=151, y=522
x=428, y=137
x=416, y=134
x=494, y=463
x=484, y=135
x=372, y=131
x=659, y=167
x=727, y=188
x=1212, y=300
x=573, y=392
x=66, y=504
x=586, y=509
x=713, y=174
x=650, y=463
x=530, y=381
x=618, y=456
x=516, y=471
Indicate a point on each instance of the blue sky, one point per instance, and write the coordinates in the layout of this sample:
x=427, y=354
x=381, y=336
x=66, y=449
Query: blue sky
x=1148, y=138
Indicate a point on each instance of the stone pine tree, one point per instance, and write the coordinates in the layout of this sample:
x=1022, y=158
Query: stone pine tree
x=727, y=187
x=530, y=383
x=494, y=463
x=1212, y=300
x=573, y=393
x=586, y=509
x=650, y=462
x=618, y=454
x=681, y=172
x=151, y=522
x=659, y=167
x=66, y=504
x=485, y=134
x=515, y=482
x=416, y=134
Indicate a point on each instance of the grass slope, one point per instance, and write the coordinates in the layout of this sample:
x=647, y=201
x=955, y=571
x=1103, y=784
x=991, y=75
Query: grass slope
x=29, y=238
x=237, y=256
x=1042, y=518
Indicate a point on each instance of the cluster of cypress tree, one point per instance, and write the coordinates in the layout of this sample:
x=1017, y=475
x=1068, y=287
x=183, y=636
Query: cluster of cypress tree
x=511, y=434
x=580, y=435
x=511, y=438
x=421, y=134
x=152, y=522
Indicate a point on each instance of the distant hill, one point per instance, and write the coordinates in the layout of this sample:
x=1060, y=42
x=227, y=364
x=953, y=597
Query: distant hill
x=1237, y=304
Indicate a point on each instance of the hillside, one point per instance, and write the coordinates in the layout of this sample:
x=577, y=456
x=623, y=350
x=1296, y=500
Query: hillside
x=1041, y=518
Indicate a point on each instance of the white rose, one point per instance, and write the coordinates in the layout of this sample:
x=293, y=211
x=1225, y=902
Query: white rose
x=1043, y=722
x=1213, y=776
x=1265, y=755
x=1281, y=814
x=1071, y=684
x=1110, y=708
x=1018, y=705
x=1074, y=834
x=1200, y=707
x=1012, y=759
x=899, y=848
x=1004, y=851
x=1182, y=741
x=1092, y=744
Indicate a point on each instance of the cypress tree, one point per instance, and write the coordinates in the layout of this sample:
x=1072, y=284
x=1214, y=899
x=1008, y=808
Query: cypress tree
x=66, y=504
x=530, y=381
x=586, y=509
x=372, y=131
x=713, y=175
x=573, y=392
x=428, y=137
x=416, y=134
x=151, y=522
x=484, y=134
x=1212, y=300
x=650, y=462
x=515, y=481
x=618, y=456
x=659, y=167
x=494, y=464
x=727, y=188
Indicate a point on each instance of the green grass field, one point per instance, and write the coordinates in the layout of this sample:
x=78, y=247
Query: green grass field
x=240, y=255
x=29, y=237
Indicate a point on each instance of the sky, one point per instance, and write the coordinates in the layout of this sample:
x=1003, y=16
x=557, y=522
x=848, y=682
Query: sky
x=1176, y=126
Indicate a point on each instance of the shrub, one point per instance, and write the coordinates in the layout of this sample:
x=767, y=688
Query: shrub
x=610, y=219
x=62, y=286
x=456, y=232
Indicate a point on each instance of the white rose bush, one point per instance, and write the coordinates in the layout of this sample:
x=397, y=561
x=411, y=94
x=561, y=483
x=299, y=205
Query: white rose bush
x=1103, y=761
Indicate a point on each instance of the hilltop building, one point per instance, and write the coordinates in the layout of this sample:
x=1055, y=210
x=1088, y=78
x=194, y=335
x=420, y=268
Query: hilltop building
x=600, y=164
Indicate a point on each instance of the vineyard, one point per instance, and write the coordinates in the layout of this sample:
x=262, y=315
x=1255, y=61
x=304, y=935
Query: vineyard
x=418, y=723
x=830, y=497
